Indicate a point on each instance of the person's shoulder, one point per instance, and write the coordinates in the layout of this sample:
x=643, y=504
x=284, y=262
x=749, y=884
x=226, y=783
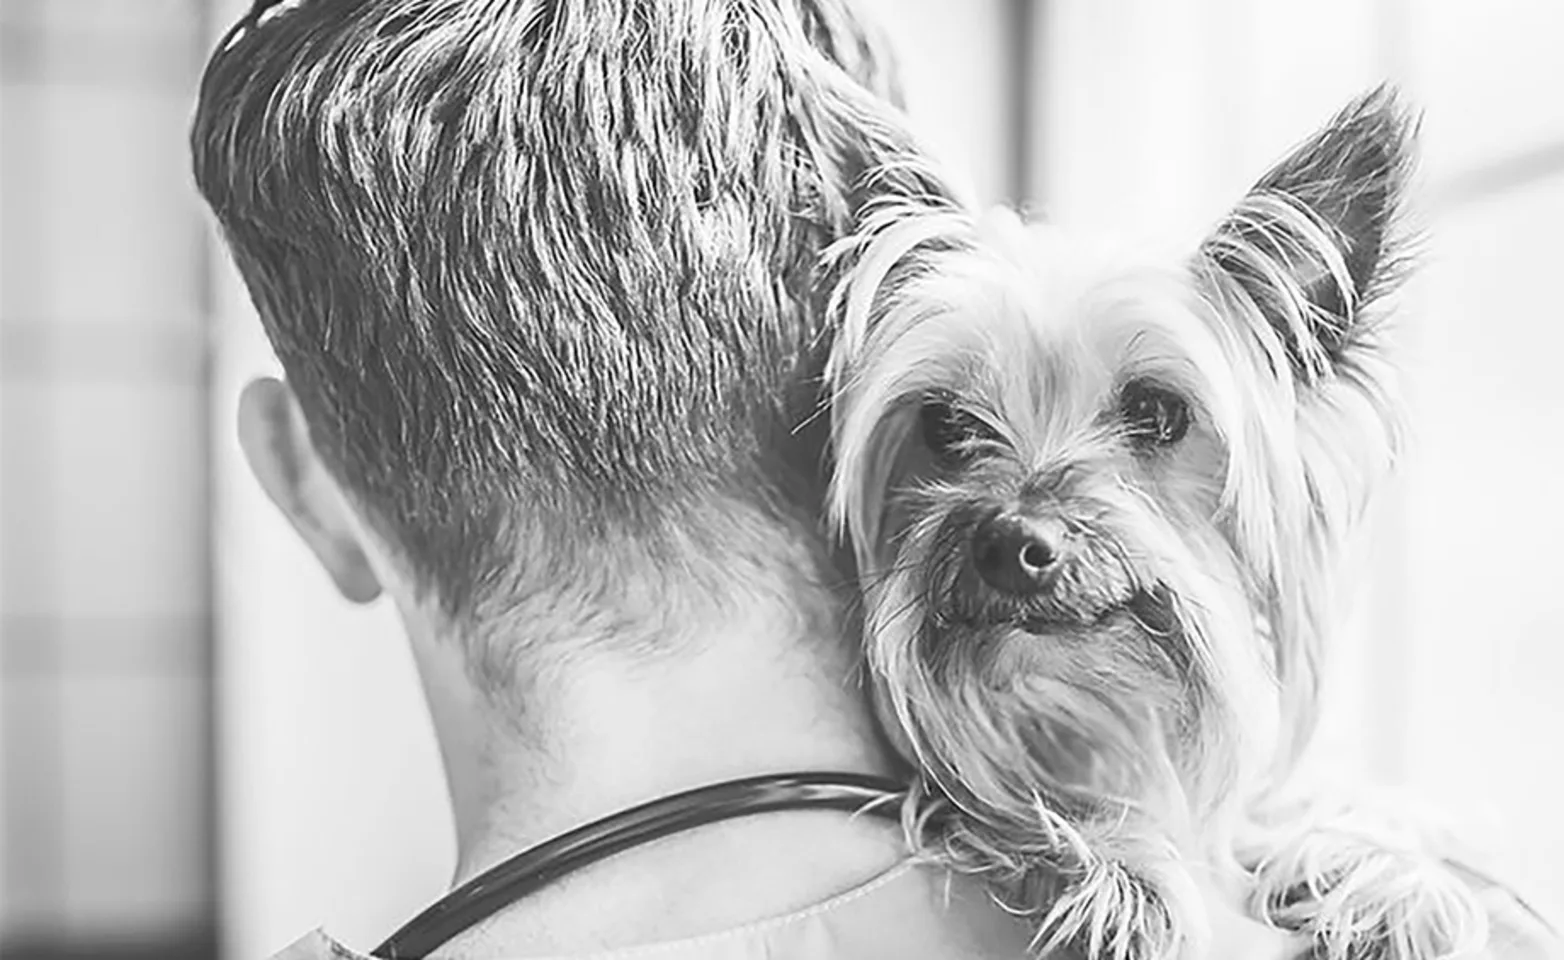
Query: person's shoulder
x=924, y=911
x=940, y=915
x=931, y=913
x=315, y=945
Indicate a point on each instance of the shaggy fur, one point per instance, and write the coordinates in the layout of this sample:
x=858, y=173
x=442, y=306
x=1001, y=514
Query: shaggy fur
x=1185, y=447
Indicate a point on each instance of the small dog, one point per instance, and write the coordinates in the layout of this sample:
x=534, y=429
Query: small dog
x=1096, y=507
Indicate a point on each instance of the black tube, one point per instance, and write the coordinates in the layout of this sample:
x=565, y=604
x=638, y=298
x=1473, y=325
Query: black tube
x=487, y=894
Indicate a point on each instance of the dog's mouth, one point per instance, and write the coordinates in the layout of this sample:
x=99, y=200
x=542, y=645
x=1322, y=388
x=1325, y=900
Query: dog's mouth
x=1148, y=609
x=1092, y=594
x=1090, y=601
x=1090, y=588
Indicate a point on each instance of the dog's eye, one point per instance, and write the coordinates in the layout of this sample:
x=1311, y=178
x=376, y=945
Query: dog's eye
x=952, y=432
x=1153, y=414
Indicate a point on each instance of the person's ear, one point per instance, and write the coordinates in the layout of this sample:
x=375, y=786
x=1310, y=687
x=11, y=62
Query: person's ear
x=276, y=442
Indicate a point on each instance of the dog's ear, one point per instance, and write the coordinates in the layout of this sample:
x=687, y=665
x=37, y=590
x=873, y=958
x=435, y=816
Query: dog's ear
x=1296, y=272
x=875, y=374
x=1318, y=239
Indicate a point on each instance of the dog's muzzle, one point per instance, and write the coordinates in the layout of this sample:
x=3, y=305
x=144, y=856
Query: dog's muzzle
x=1034, y=569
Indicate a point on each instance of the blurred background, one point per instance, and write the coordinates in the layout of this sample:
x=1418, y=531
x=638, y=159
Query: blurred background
x=205, y=753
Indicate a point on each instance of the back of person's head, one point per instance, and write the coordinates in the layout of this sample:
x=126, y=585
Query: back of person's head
x=538, y=274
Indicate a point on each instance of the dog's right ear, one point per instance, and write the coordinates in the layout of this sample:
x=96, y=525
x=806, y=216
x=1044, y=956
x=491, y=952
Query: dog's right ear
x=1318, y=240
x=875, y=376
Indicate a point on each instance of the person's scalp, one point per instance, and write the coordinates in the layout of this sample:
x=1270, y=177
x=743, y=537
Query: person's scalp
x=535, y=252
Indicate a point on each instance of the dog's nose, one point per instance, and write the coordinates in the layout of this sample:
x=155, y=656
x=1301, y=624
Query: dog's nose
x=1015, y=554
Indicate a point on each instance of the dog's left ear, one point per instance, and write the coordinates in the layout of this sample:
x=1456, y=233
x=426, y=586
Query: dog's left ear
x=1317, y=240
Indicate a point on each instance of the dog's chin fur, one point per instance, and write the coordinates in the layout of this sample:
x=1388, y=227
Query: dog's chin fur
x=1089, y=733
x=1111, y=751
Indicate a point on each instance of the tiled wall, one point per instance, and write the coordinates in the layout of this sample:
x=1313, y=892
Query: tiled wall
x=105, y=645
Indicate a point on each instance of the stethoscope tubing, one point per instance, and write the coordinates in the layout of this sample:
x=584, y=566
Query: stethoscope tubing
x=499, y=887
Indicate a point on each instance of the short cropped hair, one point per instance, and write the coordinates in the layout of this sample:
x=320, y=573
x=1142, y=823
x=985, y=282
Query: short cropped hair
x=542, y=253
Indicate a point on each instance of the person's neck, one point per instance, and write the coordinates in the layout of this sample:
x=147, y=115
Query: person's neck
x=612, y=731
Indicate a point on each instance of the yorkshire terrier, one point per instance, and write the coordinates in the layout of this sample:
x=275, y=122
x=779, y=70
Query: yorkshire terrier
x=1096, y=506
